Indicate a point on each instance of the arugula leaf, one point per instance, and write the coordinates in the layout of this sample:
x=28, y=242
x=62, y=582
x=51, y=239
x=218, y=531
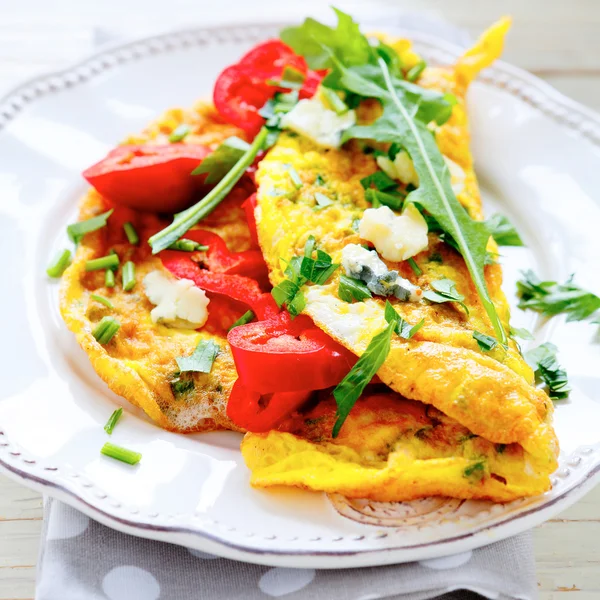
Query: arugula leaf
x=351, y=387
x=202, y=358
x=485, y=342
x=444, y=290
x=415, y=72
x=380, y=180
x=377, y=198
x=548, y=370
x=76, y=231
x=552, y=298
x=402, y=328
x=221, y=161
x=350, y=289
x=503, y=231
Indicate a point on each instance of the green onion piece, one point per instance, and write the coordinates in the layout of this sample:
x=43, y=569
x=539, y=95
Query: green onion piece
x=102, y=299
x=298, y=183
x=76, y=231
x=60, y=263
x=322, y=201
x=244, y=319
x=291, y=79
x=109, y=278
x=188, y=246
x=113, y=420
x=415, y=267
x=105, y=262
x=123, y=454
x=106, y=329
x=415, y=72
x=179, y=133
x=186, y=220
x=485, y=342
x=128, y=276
x=335, y=102
x=131, y=233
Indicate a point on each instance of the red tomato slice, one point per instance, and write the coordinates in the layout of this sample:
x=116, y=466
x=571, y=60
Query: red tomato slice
x=149, y=178
x=280, y=355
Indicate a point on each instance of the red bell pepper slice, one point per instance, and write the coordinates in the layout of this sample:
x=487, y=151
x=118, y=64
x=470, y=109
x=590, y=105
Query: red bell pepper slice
x=241, y=90
x=281, y=355
x=237, y=287
x=260, y=413
x=249, y=206
x=149, y=178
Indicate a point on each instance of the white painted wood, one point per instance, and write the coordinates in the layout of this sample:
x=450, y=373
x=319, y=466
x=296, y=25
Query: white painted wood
x=557, y=40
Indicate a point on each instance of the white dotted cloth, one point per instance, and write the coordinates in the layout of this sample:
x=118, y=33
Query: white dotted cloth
x=83, y=560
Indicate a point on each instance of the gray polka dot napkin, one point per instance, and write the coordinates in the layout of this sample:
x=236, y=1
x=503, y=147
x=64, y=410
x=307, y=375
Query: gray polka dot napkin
x=83, y=560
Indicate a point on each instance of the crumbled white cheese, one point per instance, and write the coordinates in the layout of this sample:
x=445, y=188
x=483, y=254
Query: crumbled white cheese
x=311, y=118
x=179, y=302
x=363, y=264
x=396, y=237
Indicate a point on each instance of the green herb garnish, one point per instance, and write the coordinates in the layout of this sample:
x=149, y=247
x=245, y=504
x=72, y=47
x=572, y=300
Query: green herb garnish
x=503, y=231
x=201, y=360
x=350, y=289
x=415, y=72
x=322, y=201
x=110, y=261
x=548, y=370
x=291, y=79
x=244, y=319
x=485, y=342
x=186, y=245
x=76, y=231
x=348, y=391
x=403, y=329
x=415, y=267
x=182, y=385
x=521, y=332
x=113, y=420
x=105, y=330
x=296, y=180
x=131, y=233
x=119, y=453
x=377, y=199
x=102, y=300
x=551, y=298
x=179, y=133
x=444, y=290
x=59, y=264
x=335, y=103
x=475, y=470
x=218, y=163
x=128, y=276
x=109, y=278
x=188, y=218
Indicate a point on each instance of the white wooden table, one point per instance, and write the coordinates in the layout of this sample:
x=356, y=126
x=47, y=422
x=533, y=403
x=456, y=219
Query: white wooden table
x=555, y=39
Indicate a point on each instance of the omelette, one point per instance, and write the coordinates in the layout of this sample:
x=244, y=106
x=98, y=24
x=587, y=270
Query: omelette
x=443, y=415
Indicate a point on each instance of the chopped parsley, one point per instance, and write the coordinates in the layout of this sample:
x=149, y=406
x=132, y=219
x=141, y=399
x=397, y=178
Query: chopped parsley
x=475, y=470
x=444, y=290
x=548, y=370
x=201, y=360
x=350, y=289
x=182, y=385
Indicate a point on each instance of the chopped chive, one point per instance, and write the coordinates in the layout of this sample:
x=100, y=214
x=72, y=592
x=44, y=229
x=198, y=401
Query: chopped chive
x=298, y=183
x=188, y=246
x=113, y=420
x=109, y=278
x=105, y=262
x=102, y=299
x=335, y=102
x=322, y=201
x=119, y=453
x=106, y=329
x=58, y=266
x=128, y=276
x=131, y=233
x=179, y=133
x=415, y=72
x=243, y=320
x=415, y=267
x=76, y=231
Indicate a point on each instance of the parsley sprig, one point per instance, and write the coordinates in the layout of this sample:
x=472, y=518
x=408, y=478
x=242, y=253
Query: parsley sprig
x=547, y=369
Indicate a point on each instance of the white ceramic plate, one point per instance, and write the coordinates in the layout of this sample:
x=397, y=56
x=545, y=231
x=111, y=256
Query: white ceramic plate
x=538, y=159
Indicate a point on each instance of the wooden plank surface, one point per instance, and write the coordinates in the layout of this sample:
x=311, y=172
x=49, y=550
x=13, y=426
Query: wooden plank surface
x=555, y=39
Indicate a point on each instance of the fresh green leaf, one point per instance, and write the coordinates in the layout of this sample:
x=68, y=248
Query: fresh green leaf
x=113, y=420
x=551, y=298
x=179, y=133
x=350, y=289
x=276, y=107
x=222, y=160
x=522, y=333
x=485, y=342
x=380, y=181
x=351, y=387
x=244, y=319
x=377, y=198
x=547, y=369
x=503, y=231
x=76, y=231
x=188, y=218
x=444, y=290
x=402, y=328
x=415, y=72
x=201, y=360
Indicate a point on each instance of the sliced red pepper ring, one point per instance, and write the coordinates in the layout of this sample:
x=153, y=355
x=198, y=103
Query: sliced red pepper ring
x=260, y=413
x=286, y=356
x=237, y=287
x=249, y=207
x=149, y=178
